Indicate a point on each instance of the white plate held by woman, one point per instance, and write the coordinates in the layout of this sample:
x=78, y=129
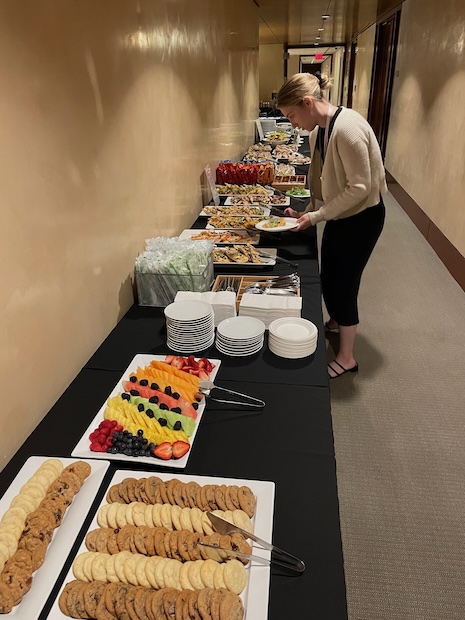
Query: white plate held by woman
x=289, y=223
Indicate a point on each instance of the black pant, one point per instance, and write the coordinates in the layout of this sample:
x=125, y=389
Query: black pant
x=346, y=247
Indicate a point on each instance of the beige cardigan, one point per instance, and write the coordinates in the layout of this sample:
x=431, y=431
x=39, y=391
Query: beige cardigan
x=353, y=176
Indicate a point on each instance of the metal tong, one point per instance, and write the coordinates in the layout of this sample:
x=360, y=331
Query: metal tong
x=281, y=557
x=209, y=385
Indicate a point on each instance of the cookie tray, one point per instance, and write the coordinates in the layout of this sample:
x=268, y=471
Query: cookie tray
x=255, y=596
x=43, y=580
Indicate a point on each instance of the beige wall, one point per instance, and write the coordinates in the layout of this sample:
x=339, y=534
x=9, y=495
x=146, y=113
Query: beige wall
x=109, y=112
x=425, y=149
x=363, y=71
x=293, y=65
x=336, y=74
x=271, y=70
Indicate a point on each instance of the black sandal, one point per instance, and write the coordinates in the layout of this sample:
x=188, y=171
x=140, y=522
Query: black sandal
x=344, y=370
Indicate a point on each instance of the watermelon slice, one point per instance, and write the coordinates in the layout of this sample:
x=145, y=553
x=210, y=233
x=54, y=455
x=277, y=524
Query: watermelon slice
x=172, y=403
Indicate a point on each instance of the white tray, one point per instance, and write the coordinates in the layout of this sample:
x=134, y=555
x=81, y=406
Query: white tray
x=290, y=222
x=82, y=449
x=230, y=211
x=256, y=594
x=188, y=234
x=267, y=262
x=64, y=536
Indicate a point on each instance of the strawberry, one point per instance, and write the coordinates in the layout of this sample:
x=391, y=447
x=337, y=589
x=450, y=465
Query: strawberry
x=179, y=449
x=203, y=375
x=169, y=359
x=164, y=451
x=201, y=362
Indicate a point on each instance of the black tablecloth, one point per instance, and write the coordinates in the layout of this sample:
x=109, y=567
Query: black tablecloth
x=289, y=442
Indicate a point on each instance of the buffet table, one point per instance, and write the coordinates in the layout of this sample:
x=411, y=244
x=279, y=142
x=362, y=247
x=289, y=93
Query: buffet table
x=289, y=441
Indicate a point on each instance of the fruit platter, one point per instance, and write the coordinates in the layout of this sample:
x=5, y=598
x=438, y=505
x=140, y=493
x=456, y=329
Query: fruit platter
x=152, y=414
x=152, y=546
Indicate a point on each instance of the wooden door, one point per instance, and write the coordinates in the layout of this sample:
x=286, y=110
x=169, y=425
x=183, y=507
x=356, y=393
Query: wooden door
x=387, y=34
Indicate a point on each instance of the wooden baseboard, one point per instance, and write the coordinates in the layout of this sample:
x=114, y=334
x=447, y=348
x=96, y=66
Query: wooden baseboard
x=448, y=253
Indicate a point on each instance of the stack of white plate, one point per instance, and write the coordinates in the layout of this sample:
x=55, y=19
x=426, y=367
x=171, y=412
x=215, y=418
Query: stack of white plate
x=240, y=336
x=268, y=308
x=190, y=326
x=292, y=337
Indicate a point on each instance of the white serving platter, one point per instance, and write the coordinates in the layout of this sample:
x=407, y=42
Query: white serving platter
x=290, y=223
x=230, y=210
x=256, y=595
x=266, y=262
x=286, y=202
x=251, y=238
x=64, y=536
x=82, y=448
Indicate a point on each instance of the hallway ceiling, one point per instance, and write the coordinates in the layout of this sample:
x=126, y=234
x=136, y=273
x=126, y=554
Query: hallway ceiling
x=296, y=22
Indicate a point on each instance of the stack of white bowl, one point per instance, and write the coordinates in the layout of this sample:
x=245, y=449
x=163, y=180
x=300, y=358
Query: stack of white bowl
x=240, y=336
x=190, y=326
x=292, y=337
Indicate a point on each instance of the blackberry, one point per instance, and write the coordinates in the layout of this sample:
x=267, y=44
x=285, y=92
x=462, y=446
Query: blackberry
x=162, y=421
x=149, y=413
x=125, y=396
x=143, y=382
x=176, y=409
x=133, y=379
x=154, y=386
x=177, y=426
x=175, y=395
x=153, y=400
x=164, y=407
x=195, y=405
x=168, y=390
x=134, y=393
x=140, y=407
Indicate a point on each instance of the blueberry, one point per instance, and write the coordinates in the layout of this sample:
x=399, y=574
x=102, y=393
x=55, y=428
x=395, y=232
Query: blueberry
x=177, y=426
x=125, y=396
x=168, y=390
x=135, y=453
x=114, y=450
x=134, y=393
x=175, y=395
x=145, y=441
x=162, y=421
x=176, y=409
x=151, y=446
x=125, y=432
x=140, y=432
x=154, y=386
x=149, y=413
x=140, y=407
x=109, y=450
x=143, y=382
x=133, y=379
x=164, y=407
x=153, y=400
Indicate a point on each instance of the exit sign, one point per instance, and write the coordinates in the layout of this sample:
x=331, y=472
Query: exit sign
x=318, y=57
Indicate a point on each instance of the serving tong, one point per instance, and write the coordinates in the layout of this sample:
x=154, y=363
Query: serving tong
x=205, y=386
x=281, y=557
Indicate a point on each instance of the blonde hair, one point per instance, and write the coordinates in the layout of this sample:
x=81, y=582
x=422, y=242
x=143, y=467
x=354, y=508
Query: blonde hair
x=302, y=85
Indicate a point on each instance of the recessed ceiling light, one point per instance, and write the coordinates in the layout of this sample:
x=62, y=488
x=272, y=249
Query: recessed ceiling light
x=320, y=29
x=317, y=38
x=316, y=43
x=325, y=16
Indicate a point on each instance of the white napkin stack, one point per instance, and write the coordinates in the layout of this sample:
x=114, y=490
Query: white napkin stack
x=268, y=308
x=222, y=302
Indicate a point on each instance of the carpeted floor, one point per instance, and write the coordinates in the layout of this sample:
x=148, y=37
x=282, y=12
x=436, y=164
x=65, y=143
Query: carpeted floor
x=399, y=428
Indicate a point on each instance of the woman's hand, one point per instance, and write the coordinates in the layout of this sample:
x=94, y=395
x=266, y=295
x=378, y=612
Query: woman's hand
x=303, y=221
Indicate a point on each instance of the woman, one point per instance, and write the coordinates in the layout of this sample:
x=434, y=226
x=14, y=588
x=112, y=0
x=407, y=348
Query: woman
x=346, y=180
